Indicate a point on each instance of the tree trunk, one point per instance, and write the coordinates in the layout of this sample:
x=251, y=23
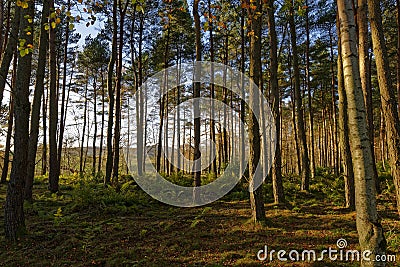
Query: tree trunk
x=54, y=172
x=110, y=89
x=305, y=163
x=9, y=51
x=277, y=186
x=196, y=108
x=256, y=195
x=37, y=101
x=14, y=220
x=368, y=226
x=364, y=62
x=10, y=122
x=344, y=138
x=95, y=124
x=388, y=95
x=102, y=123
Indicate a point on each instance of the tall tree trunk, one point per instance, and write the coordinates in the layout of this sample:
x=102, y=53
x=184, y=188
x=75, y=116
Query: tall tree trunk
x=95, y=124
x=305, y=162
x=9, y=50
x=388, y=95
x=10, y=122
x=54, y=172
x=242, y=97
x=363, y=48
x=14, y=220
x=310, y=109
x=117, y=130
x=344, y=137
x=368, y=226
x=63, y=93
x=44, y=119
x=256, y=195
x=110, y=89
x=81, y=155
x=398, y=54
x=277, y=186
x=102, y=123
x=212, y=113
x=196, y=108
x=37, y=100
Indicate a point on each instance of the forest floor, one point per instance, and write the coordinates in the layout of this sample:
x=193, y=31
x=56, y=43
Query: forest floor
x=88, y=225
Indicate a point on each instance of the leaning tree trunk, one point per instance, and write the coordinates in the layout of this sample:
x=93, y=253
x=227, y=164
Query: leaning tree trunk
x=256, y=195
x=10, y=121
x=368, y=226
x=9, y=51
x=14, y=220
x=37, y=100
x=277, y=186
x=388, y=95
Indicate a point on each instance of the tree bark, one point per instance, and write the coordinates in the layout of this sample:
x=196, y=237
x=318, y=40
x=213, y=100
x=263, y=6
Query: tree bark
x=37, y=100
x=110, y=89
x=305, y=162
x=9, y=50
x=368, y=226
x=387, y=92
x=196, y=109
x=256, y=195
x=277, y=186
x=14, y=219
x=54, y=172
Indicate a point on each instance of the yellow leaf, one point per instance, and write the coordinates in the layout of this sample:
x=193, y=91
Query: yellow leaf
x=28, y=33
x=58, y=20
x=53, y=25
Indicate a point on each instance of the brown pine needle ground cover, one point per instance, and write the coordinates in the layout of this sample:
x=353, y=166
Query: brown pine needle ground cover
x=87, y=225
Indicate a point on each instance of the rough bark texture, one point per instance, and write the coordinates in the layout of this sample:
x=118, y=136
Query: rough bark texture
x=14, y=219
x=368, y=226
x=37, y=100
x=277, y=167
x=388, y=95
x=256, y=196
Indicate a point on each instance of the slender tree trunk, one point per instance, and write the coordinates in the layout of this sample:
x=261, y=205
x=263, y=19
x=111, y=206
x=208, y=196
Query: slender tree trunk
x=388, y=95
x=256, y=195
x=10, y=122
x=99, y=166
x=398, y=54
x=81, y=156
x=242, y=97
x=110, y=89
x=14, y=220
x=344, y=137
x=54, y=172
x=305, y=162
x=196, y=109
x=9, y=50
x=277, y=186
x=37, y=100
x=310, y=109
x=363, y=48
x=63, y=93
x=369, y=229
x=117, y=130
x=95, y=124
x=44, y=118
